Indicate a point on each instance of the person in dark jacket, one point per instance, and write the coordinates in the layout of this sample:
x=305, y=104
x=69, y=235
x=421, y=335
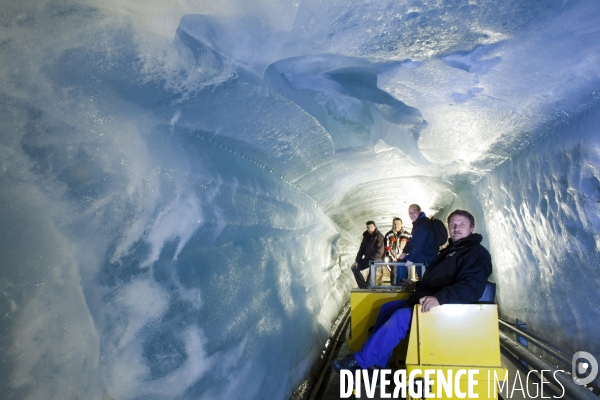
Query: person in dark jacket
x=457, y=275
x=422, y=246
x=371, y=249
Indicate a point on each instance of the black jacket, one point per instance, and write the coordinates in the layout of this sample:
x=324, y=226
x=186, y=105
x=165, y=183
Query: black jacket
x=371, y=247
x=458, y=274
x=422, y=246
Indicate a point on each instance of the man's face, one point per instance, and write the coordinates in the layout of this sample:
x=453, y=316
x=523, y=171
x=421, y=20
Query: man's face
x=397, y=226
x=371, y=228
x=413, y=213
x=460, y=227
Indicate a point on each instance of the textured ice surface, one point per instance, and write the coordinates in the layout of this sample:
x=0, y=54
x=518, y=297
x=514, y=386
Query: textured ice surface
x=541, y=210
x=182, y=182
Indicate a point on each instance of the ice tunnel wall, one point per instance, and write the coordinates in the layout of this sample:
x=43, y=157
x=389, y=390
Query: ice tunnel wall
x=186, y=278
x=539, y=213
x=153, y=245
x=176, y=269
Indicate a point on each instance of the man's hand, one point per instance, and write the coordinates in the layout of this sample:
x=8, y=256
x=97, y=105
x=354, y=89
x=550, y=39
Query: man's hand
x=409, y=263
x=409, y=285
x=354, y=265
x=428, y=302
x=401, y=256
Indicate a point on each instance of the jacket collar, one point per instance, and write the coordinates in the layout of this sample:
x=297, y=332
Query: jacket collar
x=473, y=238
x=419, y=218
x=375, y=232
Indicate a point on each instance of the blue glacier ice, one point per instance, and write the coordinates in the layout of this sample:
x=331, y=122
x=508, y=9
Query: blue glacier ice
x=184, y=184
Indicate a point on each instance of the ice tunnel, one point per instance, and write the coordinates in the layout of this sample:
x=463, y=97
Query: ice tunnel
x=184, y=184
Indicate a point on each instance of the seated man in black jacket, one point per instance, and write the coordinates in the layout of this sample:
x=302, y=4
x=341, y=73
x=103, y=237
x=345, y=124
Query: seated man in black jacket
x=457, y=275
x=371, y=249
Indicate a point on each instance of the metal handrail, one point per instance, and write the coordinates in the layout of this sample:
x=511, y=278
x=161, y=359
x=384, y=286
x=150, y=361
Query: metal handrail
x=554, y=352
x=559, y=354
x=398, y=263
x=571, y=388
x=335, y=340
x=374, y=264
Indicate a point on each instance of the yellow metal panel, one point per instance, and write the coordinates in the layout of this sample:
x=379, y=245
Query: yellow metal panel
x=412, y=354
x=364, y=307
x=484, y=388
x=459, y=334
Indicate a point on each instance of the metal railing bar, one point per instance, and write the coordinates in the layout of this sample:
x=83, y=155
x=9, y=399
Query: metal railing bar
x=548, y=348
x=571, y=388
x=373, y=264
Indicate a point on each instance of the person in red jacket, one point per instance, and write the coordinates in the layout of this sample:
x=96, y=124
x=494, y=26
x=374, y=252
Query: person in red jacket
x=395, y=240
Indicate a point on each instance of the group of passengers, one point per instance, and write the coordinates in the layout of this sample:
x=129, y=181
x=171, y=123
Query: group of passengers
x=397, y=244
x=456, y=274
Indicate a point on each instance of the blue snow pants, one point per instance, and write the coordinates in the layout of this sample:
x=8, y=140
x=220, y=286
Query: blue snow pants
x=391, y=326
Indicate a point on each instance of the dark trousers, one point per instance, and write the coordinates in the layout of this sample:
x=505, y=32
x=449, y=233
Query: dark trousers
x=360, y=280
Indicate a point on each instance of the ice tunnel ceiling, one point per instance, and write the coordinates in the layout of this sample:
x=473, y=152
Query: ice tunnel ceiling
x=424, y=98
x=363, y=106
